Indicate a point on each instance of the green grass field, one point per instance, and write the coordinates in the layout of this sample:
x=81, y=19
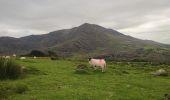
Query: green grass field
x=57, y=80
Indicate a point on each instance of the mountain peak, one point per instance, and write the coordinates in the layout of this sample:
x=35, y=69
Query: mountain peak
x=90, y=25
x=86, y=24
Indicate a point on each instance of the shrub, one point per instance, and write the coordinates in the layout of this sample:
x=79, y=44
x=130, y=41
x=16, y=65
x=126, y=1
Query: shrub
x=54, y=58
x=9, y=69
x=52, y=54
x=36, y=53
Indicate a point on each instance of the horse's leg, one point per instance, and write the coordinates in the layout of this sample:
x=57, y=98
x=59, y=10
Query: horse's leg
x=105, y=67
x=95, y=68
x=102, y=68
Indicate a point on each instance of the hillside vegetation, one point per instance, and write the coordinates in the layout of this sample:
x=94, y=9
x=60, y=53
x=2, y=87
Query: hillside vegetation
x=85, y=38
x=88, y=40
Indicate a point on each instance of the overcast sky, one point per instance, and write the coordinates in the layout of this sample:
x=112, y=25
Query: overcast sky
x=145, y=19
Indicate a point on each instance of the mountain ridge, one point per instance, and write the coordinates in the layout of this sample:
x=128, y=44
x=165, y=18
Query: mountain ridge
x=84, y=38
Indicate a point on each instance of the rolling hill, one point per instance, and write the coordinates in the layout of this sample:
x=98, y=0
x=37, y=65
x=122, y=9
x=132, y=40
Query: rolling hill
x=89, y=39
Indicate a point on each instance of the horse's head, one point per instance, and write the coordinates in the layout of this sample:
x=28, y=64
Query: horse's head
x=89, y=58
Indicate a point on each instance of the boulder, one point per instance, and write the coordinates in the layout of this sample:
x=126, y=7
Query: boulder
x=161, y=72
x=82, y=68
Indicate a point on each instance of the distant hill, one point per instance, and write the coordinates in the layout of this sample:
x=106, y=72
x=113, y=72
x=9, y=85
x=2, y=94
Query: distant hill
x=86, y=39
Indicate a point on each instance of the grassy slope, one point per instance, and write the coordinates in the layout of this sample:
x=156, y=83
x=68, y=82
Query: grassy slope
x=58, y=81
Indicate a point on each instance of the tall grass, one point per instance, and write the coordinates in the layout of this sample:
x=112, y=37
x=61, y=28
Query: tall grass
x=9, y=69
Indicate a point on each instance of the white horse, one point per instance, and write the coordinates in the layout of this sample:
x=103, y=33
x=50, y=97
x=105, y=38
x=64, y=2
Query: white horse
x=98, y=63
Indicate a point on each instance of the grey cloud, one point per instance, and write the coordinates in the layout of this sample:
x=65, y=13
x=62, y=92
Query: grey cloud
x=26, y=17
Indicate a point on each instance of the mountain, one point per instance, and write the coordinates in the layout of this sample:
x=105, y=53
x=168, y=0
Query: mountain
x=89, y=39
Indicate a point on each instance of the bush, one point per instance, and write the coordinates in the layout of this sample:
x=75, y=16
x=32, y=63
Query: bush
x=9, y=69
x=36, y=53
x=52, y=54
x=54, y=58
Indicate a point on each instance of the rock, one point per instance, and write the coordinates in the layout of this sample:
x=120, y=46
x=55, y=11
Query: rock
x=82, y=68
x=161, y=72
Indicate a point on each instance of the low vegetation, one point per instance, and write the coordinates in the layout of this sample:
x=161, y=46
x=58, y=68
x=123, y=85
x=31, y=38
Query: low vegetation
x=155, y=56
x=57, y=80
x=36, y=53
x=82, y=69
x=9, y=69
x=10, y=89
